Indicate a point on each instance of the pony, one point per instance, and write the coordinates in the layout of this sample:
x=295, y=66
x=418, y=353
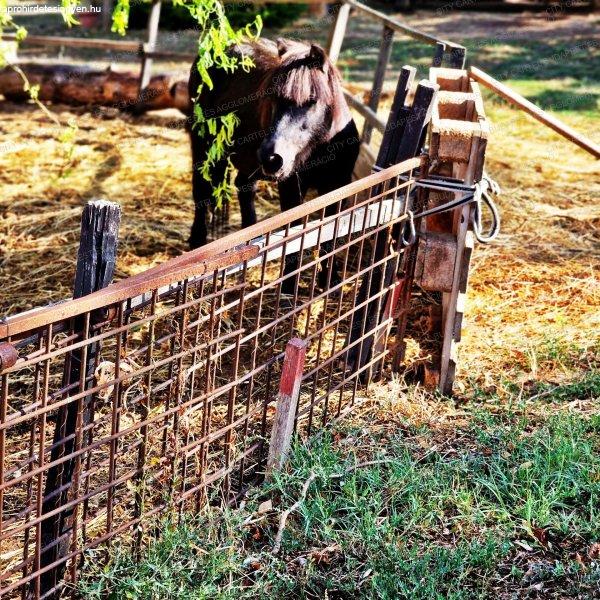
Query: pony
x=295, y=128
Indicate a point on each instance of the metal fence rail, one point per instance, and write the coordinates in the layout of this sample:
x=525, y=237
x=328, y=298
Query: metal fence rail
x=178, y=407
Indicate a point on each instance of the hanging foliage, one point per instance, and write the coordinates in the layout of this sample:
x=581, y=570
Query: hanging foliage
x=217, y=36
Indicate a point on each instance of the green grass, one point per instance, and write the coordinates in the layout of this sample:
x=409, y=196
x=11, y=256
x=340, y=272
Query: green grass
x=508, y=502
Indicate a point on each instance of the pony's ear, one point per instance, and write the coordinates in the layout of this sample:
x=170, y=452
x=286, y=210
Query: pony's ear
x=282, y=46
x=317, y=56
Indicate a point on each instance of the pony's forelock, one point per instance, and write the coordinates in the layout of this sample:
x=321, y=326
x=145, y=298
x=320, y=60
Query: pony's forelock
x=298, y=79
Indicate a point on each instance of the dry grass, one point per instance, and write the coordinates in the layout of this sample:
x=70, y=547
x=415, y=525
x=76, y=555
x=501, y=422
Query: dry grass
x=533, y=310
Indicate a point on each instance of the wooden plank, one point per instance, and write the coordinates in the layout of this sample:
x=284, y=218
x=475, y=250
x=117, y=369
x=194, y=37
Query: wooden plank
x=107, y=8
x=397, y=118
x=435, y=252
x=74, y=42
x=462, y=224
x=383, y=58
x=338, y=32
x=363, y=110
x=535, y=111
x=390, y=209
x=96, y=262
x=416, y=125
x=458, y=57
x=287, y=404
x=398, y=26
x=438, y=57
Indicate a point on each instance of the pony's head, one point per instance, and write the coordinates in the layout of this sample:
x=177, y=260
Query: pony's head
x=299, y=102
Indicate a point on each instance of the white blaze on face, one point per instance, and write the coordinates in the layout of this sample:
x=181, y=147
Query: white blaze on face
x=295, y=134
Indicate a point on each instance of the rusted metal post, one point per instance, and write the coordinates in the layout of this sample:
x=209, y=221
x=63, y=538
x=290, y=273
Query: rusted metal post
x=287, y=403
x=95, y=268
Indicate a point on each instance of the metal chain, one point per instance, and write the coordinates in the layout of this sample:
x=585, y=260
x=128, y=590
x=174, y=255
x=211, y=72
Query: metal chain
x=479, y=193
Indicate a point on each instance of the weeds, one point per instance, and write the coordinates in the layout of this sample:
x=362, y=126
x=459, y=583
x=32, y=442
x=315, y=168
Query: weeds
x=394, y=521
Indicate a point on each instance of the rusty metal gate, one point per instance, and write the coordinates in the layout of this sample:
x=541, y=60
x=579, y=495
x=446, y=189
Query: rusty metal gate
x=177, y=377
x=157, y=393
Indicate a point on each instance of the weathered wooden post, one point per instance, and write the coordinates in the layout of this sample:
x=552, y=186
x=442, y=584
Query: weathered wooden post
x=336, y=35
x=96, y=261
x=150, y=45
x=287, y=403
x=107, y=6
x=383, y=58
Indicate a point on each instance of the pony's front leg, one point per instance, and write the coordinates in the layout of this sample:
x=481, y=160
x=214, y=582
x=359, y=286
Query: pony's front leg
x=203, y=202
x=329, y=275
x=291, y=194
x=201, y=191
x=246, y=189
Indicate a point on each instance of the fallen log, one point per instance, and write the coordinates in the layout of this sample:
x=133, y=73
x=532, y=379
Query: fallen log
x=78, y=86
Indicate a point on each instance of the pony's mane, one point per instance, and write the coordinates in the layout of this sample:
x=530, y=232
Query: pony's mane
x=299, y=78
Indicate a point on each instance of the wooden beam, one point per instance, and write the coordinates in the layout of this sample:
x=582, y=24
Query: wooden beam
x=383, y=58
x=535, y=111
x=338, y=31
x=73, y=42
x=364, y=111
x=107, y=8
x=398, y=26
x=152, y=35
x=397, y=117
x=218, y=254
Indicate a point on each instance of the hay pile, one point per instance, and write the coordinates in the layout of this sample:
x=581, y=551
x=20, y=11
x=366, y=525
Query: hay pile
x=536, y=285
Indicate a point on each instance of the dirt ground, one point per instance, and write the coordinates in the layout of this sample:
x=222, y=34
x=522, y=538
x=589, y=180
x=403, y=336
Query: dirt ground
x=536, y=286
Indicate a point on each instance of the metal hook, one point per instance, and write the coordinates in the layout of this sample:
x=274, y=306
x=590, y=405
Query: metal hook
x=412, y=232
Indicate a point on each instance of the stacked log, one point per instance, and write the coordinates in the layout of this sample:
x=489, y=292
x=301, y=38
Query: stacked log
x=76, y=85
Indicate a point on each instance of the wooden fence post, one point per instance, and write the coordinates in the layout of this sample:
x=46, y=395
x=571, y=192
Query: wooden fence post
x=287, y=403
x=150, y=44
x=107, y=7
x=383, y=58
x=338, y=31
x=95, y=268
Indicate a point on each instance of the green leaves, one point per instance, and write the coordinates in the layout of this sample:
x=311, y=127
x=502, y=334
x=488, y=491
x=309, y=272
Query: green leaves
x=68, y=11
x=120, y=17
x=216, y=38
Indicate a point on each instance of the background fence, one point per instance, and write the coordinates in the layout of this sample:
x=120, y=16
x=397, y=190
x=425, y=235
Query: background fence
x=158, y=392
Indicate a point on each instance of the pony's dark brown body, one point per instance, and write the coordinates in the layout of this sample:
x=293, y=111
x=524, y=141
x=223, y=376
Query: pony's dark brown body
x=294, y=127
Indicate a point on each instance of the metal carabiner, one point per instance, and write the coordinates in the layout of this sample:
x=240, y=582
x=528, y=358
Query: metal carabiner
x=412, y=232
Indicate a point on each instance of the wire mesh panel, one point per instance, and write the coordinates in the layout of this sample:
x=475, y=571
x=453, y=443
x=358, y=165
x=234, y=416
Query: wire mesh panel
x=157, y=394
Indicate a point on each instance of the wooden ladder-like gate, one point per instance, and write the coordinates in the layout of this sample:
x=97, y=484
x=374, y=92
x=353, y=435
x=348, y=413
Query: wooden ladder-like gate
x=449, y=107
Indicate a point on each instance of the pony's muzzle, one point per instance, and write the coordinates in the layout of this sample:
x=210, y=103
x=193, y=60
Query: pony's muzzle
x=269, y=160
x=271, y=164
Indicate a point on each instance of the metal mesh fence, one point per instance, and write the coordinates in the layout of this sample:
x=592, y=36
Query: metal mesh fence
x=158, y=393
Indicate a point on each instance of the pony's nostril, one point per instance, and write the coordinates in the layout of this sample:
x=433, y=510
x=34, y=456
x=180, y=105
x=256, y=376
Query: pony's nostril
x=273, y=163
